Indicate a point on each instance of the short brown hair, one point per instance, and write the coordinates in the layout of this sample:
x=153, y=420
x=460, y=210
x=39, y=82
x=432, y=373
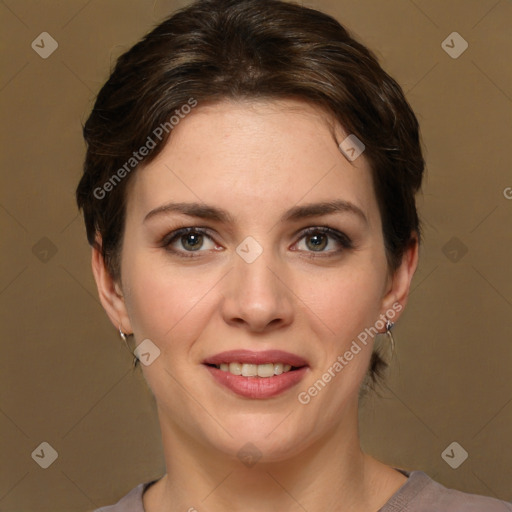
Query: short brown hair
x=250, y=49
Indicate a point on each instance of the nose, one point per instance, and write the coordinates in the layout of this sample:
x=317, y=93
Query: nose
x=256, y=296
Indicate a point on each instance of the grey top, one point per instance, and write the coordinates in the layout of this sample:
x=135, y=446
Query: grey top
x=418, y=494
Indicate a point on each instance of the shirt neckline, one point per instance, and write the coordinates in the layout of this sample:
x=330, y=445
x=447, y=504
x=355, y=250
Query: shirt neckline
x=416, y=480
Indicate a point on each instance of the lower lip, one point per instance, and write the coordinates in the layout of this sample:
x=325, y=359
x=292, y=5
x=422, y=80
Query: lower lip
x=258, y=387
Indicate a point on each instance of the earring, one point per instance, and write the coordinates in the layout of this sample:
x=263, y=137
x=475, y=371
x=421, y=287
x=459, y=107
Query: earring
x=389, y=326
x=123, y=337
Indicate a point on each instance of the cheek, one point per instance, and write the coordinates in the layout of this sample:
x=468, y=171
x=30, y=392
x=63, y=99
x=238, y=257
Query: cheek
x=346, y=301
x=164, y=303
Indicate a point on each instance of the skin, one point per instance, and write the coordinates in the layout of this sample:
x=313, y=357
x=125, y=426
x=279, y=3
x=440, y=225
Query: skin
x=256, y=160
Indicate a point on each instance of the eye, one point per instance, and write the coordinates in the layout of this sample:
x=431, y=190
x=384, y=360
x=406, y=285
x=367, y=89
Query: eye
x=318, y=239
x=188, y=240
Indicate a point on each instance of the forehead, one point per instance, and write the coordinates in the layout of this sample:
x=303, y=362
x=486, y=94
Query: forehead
x=277, y=153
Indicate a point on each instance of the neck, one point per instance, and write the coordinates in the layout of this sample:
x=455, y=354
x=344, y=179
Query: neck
x=329, y=473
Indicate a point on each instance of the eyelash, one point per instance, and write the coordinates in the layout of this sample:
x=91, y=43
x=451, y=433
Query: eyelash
x=338, y=236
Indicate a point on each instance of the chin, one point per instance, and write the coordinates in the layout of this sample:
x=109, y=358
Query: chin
x=265, y=439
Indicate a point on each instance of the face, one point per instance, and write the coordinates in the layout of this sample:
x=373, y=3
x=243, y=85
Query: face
x=252, y=232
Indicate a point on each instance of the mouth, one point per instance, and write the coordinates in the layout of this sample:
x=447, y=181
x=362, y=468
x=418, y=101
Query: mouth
x=256, y=374
x=264, y=371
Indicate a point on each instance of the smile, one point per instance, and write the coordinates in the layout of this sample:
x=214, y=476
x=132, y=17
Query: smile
x=256, y=374
x=255, y=370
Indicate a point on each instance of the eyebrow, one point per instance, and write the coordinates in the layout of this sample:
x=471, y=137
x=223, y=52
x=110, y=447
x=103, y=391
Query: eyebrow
x=204, y=211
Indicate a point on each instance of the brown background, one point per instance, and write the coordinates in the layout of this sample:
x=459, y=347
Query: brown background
x=66, y=377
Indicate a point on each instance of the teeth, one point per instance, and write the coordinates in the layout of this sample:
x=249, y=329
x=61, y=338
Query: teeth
x=235, y=368
x=255, y=370
x=265, y=370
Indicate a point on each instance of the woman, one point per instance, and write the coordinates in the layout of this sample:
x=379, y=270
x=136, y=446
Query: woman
x=248, y=192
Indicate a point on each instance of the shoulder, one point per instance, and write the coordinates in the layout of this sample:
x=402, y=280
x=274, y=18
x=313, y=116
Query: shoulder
x=422, y=494
x=132, y=502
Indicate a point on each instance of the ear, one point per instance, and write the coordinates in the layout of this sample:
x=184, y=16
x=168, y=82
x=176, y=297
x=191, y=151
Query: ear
x=399, y=283
x=109, y=291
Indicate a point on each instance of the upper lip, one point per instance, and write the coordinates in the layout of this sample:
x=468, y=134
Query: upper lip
x=251, y=357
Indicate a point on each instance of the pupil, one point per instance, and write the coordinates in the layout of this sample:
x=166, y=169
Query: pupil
x=193, y=241
x=318, y=241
